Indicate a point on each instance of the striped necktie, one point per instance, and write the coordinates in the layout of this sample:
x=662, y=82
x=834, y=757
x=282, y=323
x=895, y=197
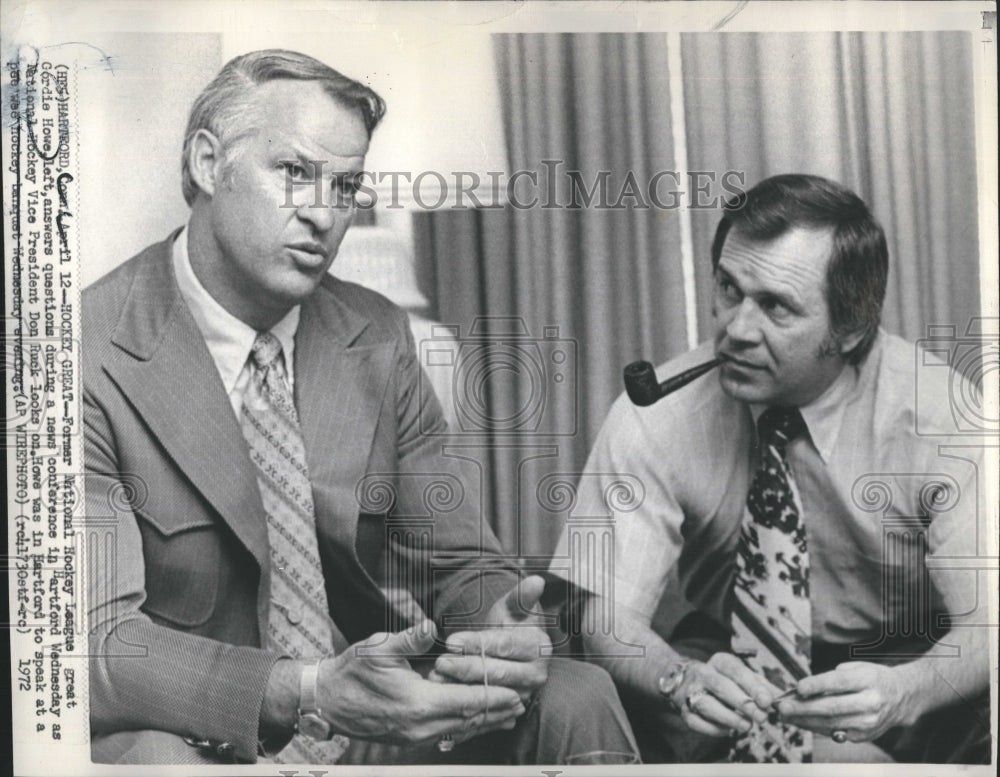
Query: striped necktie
x=772, y=621
x=299, y=622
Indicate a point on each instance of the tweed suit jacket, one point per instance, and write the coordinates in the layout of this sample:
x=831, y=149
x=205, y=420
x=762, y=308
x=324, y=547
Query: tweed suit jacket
x=179, y=571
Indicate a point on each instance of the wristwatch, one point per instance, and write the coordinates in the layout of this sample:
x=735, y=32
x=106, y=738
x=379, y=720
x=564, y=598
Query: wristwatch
x=671, y=681
x=311, y=722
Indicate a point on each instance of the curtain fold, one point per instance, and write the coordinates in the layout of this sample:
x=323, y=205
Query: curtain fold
x=605, y=279
x=890, y=115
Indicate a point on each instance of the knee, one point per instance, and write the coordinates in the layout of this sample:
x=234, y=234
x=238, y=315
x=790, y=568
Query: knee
x=578, y=687
x=579, y=716
x=147, y=746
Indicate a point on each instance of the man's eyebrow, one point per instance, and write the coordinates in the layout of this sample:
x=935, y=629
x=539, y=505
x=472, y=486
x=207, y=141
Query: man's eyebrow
x=326, y=168
x=778, y=296
x=321, y=167
x=306, y=159
x=784, y=299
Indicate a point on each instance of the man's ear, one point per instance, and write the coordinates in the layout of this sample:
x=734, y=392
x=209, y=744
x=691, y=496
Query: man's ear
x=205, y=161
x=849, y=342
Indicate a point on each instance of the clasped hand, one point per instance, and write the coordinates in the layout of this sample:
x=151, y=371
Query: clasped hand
x=862, y=699
x=723, y=696
x=512, y=653
x=481, y=684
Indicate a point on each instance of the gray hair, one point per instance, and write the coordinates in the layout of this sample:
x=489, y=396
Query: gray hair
x=223, y=107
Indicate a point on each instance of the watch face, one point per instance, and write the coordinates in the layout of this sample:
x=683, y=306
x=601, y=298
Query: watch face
x=313, y=726
x=671, y=682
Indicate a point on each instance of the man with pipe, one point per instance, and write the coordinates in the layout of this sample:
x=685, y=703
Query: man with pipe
x=254, y=450
x=805, y=502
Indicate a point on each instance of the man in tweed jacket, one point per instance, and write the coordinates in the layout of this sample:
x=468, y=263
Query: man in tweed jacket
x=181, y=577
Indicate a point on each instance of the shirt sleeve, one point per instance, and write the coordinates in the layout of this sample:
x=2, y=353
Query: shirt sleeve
x=623, y=534
x=959, y=536
x=950, y=457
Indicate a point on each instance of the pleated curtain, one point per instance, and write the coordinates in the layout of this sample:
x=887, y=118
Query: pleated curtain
x=890, y=115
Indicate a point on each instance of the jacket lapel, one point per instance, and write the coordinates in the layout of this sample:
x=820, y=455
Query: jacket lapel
x=167, y=372
x=165, y=369
x=340, y=384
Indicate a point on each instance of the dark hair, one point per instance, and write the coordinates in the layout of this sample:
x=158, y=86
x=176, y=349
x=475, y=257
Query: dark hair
x=223, y=106
x=859, y=264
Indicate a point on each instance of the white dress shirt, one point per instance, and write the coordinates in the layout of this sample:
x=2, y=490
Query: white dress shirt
x=228, y=339
x=882, y=447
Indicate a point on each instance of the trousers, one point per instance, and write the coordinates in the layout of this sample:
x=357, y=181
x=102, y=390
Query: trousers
x=575, y=717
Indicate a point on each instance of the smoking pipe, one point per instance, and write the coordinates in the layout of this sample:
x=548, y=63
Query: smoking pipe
x=643, y=388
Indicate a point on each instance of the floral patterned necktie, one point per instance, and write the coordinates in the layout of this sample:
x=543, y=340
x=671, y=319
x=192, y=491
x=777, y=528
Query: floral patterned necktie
x=772, y=621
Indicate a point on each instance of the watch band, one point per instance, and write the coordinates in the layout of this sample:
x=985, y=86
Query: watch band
x=311, y=722
x=308, y=687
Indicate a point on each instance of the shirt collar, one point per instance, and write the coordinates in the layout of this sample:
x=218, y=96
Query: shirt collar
x=824, y=414
x=228, y=339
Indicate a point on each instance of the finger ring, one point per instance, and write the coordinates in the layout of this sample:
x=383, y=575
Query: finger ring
x=839, y=736
x=692, y=698
x=446, y=744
